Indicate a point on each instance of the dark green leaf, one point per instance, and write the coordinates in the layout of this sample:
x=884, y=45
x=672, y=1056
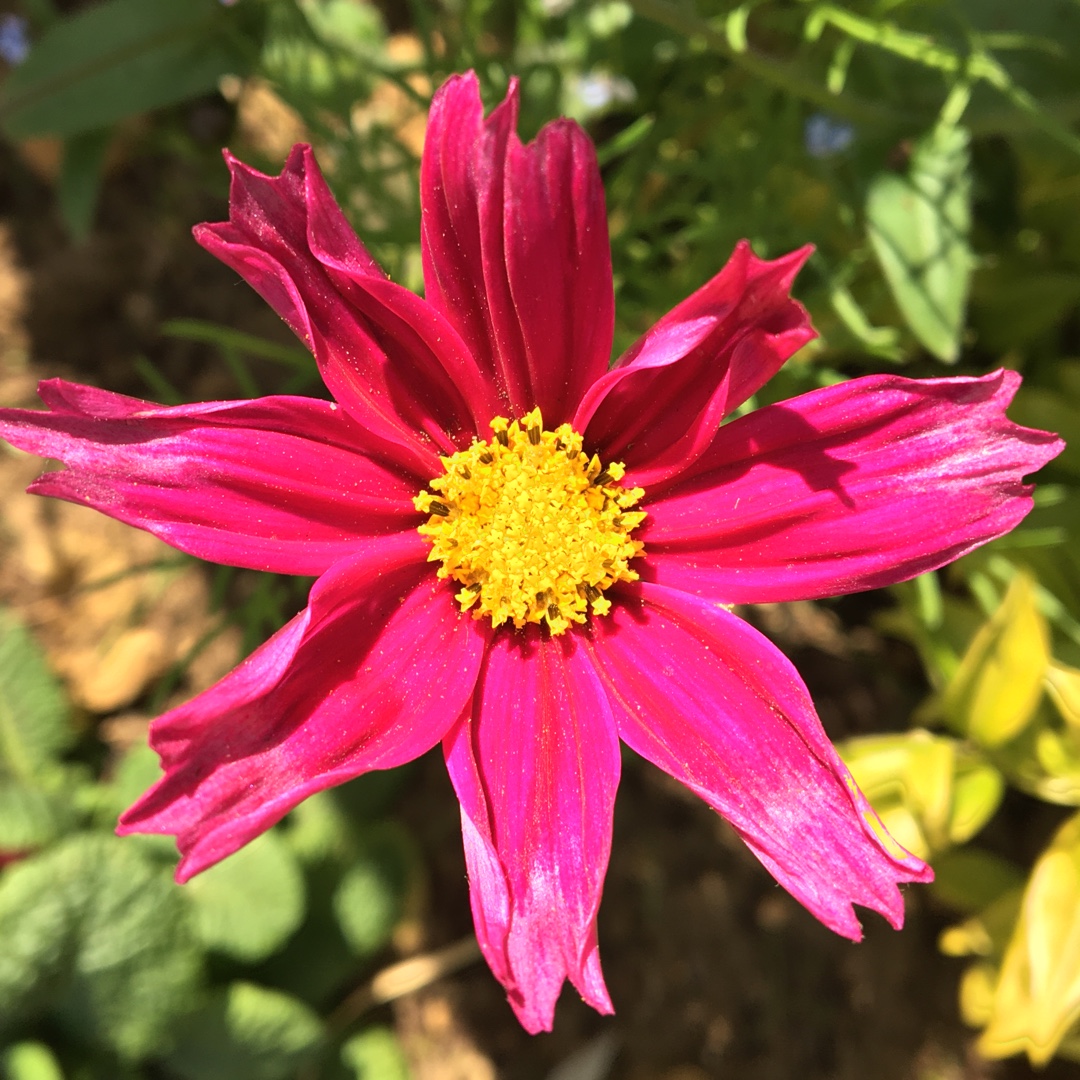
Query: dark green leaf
x=246, y=1033
x=115, y=59
x=80, y=179
x=368, y=901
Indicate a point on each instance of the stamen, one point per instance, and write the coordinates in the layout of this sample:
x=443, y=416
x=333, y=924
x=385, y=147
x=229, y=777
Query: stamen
x=532, y=527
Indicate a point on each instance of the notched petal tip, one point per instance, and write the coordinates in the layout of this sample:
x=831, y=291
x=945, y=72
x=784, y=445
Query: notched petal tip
x=537, y=827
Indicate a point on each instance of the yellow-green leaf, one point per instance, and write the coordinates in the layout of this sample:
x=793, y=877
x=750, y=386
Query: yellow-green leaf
x=1037, y=997
x=930, y=791
x=1063, y=686
x=996, y=691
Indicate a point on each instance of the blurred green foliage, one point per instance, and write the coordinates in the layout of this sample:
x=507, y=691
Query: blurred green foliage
x=927, y=148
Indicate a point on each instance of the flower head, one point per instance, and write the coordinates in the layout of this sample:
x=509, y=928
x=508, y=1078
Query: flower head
x=528, y=556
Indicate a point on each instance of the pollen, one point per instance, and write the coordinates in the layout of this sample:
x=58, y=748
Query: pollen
x=532, y=528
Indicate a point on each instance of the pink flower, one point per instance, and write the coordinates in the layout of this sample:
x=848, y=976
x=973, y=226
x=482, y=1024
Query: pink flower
x=491, y=578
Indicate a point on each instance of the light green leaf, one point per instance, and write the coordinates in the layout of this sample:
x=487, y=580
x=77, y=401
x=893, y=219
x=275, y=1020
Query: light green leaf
x=29, y=1061
x=375, y=1055
x=246, y=1033
x=358, y=28
x=96, y=937
x=28, y=817
x=918, y=225
x=367, y=907
x=368, y=901
x=1037, y=997
x=34, y=728
x=996, y=691
x=249, y=905
x=115, y=59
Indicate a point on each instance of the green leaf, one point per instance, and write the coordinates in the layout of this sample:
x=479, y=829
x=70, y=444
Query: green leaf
x=29, y=1061
x=375, y=1055
x=34, y=727
x=368, y=901
x=357, y=28
x=28, y=817
x=971, y=879
x=250, y=904
x=1037, y=997
x=1045, y=760
x=246, y=1033
x=997, y=688
x=115, y=59
x=918, y=225
x=96, y=937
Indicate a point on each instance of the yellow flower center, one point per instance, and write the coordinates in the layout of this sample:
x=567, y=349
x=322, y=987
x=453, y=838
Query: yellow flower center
x=533, y=528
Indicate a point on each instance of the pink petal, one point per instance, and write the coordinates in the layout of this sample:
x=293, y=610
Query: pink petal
x=515, y=248
x=370, y=675
x=535, y=767
x=282, y=484
x=658, y=409
x=709, y=700
x=851, y=487
x=388, y=357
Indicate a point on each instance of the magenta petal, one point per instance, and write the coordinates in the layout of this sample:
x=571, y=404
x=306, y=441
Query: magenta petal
x=851, y=487
x=657, y=413
x=704, y=696
x=370, y=675
x=515, y=248
x=388, y=357
x=282, y=484
x=535, y=767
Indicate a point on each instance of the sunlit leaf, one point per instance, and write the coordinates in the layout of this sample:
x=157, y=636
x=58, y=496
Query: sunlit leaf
x=996, y=691
x=29, y=1061
x=1045, y=762
x=1063, y=686
x=918, y=224
x=930, y=791
x=1037, y=997
x=375, y=1055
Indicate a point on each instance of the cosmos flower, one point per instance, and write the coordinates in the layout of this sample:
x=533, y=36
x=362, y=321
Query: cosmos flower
x=524, y=555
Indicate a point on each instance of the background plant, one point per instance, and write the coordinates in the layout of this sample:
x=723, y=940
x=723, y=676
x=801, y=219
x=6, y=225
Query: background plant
x=929, y=150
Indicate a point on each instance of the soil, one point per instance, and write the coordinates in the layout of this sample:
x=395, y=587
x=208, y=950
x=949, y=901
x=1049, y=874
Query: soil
x=714, y=971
